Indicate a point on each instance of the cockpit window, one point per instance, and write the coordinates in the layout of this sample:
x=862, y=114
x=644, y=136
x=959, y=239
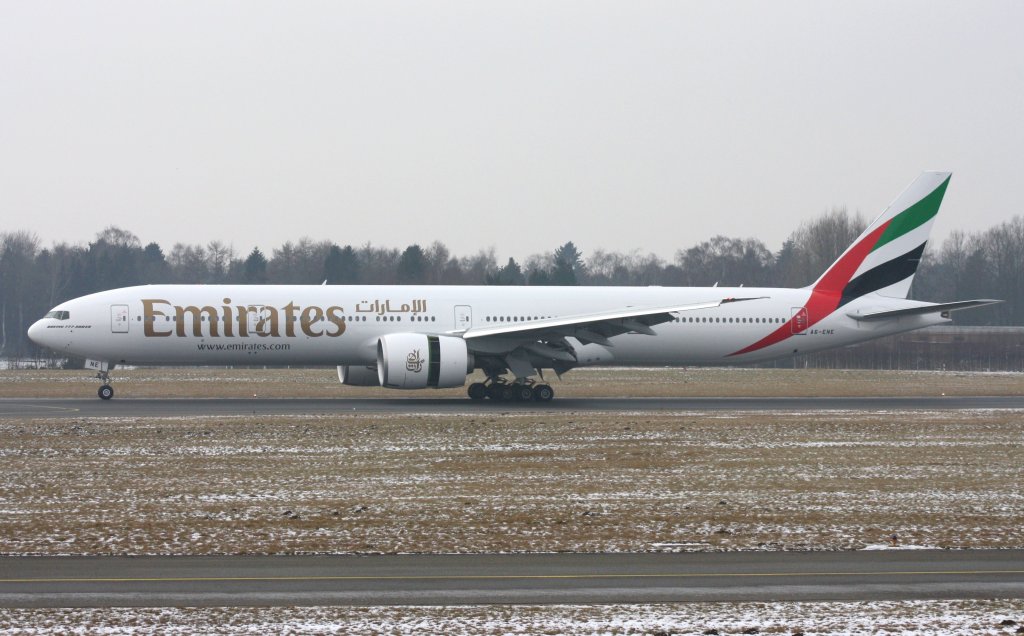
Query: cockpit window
x=58, y=315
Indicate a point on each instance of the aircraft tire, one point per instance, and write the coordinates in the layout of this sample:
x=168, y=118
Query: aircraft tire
x=543, y=393
x=507, y=393
x=106, y=392
x=477, y=391
x=523, y=393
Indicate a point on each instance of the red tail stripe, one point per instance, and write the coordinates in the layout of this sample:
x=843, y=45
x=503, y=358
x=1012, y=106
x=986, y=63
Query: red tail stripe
x=827, y=293
x=842, y=271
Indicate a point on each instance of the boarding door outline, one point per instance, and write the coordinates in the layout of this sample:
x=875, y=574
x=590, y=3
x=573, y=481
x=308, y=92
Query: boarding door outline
x=799, y=321
x=119, y=319
x=463, y=317
x=257, y=316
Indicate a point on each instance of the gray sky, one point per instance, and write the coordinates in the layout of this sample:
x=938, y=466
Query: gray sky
x=631, y=125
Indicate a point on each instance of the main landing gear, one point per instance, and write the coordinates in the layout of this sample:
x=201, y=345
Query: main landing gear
x=105, y=391
x=500, y=390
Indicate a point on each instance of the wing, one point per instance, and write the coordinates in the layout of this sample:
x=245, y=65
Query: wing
x=556, y=342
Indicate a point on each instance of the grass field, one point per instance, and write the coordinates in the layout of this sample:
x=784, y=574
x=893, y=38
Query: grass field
x=501, y=480
x=586, y=382
x=899, y=618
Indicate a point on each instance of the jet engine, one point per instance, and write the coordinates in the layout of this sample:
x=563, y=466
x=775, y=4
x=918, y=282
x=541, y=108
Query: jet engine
x=358, y=375
x=418, y=361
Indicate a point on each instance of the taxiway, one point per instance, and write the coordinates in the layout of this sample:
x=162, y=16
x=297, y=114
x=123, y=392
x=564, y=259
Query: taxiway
x=184, y=407
x=509, y=578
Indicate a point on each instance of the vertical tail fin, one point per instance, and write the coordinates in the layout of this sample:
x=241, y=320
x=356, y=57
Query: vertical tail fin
x=884, y=258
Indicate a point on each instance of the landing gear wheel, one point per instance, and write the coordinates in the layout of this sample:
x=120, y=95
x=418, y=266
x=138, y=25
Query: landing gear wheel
x=507, y=393
x=543, y=393
x=106, y=392
x=523, y=393
x=477, y=391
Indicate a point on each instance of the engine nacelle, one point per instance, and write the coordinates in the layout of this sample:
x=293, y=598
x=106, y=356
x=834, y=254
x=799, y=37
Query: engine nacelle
x=359, y=375
x=418, y=361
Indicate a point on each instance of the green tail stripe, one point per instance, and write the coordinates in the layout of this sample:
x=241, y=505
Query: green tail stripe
x=914, y=216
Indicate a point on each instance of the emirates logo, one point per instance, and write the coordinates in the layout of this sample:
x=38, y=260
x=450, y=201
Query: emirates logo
x=413, y=361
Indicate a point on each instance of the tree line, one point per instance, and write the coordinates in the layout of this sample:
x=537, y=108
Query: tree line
x=34, y=278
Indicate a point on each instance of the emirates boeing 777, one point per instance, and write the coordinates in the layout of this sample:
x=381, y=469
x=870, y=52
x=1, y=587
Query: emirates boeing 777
x=414, y=336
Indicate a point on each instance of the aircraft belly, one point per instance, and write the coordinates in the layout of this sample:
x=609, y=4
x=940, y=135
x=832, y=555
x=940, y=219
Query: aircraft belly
x=675, y=344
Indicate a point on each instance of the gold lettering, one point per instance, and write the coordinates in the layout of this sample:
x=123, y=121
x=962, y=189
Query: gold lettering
x=228, y=325
x=336, y=315
x=267, y=323
x=149, y=316
x=249, y=320
x=197, y=320
x=243, y=320
x=289, y=319
x=309, y=316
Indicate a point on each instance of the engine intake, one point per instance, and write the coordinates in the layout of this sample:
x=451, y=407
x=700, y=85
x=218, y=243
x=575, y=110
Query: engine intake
x=418, y=361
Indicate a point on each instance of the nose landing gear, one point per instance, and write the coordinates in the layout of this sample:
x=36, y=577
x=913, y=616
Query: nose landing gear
x=105, y=391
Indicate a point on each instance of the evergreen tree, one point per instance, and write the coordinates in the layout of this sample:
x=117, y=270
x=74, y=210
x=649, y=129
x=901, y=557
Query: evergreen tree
x=568, y=265
x=510, y=274
x=341, y=265
x=412, y=266
x=254, y=271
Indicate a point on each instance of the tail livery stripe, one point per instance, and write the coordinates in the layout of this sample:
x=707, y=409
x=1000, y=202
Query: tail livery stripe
x=827, y=292
x=915, y=216
x=886, y=274
x=860, y=270
x=842, y=271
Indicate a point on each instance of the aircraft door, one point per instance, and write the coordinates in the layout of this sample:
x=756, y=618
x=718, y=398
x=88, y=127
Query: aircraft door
x=119, y=318
x=799, y=322
x=463, y=317
x=258, y=320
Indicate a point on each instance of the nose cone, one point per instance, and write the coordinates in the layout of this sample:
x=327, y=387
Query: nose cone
x=36, y=333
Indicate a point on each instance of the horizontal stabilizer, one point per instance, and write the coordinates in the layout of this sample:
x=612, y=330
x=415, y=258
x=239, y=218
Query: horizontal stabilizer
x=924, y=309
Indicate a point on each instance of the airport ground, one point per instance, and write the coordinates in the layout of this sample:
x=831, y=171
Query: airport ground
x=498, y=480
x=198, y=382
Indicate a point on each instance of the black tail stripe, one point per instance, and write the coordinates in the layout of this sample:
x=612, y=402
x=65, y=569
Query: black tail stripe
x=888, y=273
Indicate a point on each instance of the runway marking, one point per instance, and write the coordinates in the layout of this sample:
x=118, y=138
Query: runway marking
x=503, y=577
x=35, y=406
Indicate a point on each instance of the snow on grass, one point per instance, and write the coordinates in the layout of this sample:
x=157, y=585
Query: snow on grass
x=536, y=482
x=904, y=618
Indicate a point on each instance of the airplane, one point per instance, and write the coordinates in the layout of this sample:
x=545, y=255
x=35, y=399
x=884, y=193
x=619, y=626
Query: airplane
x=420, y=336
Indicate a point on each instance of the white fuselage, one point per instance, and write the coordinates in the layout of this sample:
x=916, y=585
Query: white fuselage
x=340, y=325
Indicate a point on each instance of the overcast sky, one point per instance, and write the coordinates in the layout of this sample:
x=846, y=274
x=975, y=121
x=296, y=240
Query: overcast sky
x=631, y=125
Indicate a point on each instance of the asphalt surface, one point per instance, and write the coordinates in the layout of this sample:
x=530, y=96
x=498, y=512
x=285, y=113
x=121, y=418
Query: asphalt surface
x=534, y=578
x=178, y=407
